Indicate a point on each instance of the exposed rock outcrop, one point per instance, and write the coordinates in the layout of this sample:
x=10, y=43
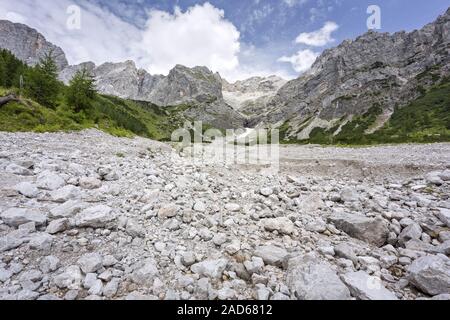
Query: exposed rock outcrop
x=376, y=68
x=29, y=45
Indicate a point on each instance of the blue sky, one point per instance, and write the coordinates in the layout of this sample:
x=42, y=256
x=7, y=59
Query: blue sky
x=238, y=38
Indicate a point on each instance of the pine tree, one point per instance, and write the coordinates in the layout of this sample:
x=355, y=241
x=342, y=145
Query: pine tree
x=81, y=90
x=42, y=82
x=2, y=71
x=10, y=69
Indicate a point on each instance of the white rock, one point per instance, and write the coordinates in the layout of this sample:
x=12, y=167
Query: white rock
x=266, y=192
x=219, y=239
x=282, y=225
x=5, y=274
x=232, y=207
x=413, y=231
x=199, y=206
x=444, y=216
x=135, y=229
x=366, y=287
x=27, y=189
x=49, y=264
x=256, y=265
x=90, y=262
x=65, y=194
x=188, y=259
x=41, y=241
x=168, y=211
x=110, y=289
x=95, y=217
x=226, y=294
x=15, y=217
x=373, y=231
x=210, y=268
x=431, y=274
x=145, y=273
x=57, y=226
x=349, y=195
x=70, y=279
x=67, y=210
x=49, y=181
x=313, y=279
x=271, y=255
x=90, y=183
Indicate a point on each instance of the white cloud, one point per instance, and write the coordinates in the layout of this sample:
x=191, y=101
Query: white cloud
x=292, y=3
x=302, y=60
x=199, y=36
x=320, y=37
x=15, y=17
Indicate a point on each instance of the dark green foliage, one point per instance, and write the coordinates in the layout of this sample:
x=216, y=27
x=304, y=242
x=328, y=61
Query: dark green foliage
x=120, y=116
x=424, y=120
x=11, y=69
x=81, y=91
x=42, y=83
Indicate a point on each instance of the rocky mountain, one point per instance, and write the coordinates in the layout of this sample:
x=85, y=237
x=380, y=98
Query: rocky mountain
x=376, y=69
x=252, y=95
x=197, y=87
x=28, y=45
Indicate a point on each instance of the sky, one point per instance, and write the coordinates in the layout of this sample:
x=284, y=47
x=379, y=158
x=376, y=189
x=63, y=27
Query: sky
x=237, y=38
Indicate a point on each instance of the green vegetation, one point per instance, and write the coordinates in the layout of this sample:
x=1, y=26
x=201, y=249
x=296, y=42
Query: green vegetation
x=81, y=91
x=424, y=120
x=42, y=83
x=47, y=105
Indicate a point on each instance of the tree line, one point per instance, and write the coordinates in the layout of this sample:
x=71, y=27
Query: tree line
x=41, y=83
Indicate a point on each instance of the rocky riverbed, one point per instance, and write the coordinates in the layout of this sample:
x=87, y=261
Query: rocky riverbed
x=89, y=216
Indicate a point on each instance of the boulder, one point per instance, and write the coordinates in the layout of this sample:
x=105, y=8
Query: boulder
x=371, y=230
x=27, y=189
x=431, y=274
x=282, y=225
x=15, y=217
x=366, y=287
x=210, y=268
x=95, y=217
x=48, y=180
x=310, y=278
x=271, y=255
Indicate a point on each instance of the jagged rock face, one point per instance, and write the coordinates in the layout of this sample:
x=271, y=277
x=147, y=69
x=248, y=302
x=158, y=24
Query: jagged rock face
x=184, y=85
x=28, y=45
x=375, y=68
x=198, y=86
x=67, y=74
x=252, y=95
x=125, y=80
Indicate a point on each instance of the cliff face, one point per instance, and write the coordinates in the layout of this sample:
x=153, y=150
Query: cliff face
x=375, y=69
x=252, y=95
x=198, y=87
x=29, y=45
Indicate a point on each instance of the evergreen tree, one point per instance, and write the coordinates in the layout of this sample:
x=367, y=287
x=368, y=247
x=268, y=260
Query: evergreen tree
x=10, y=69
x=81, y=91
x=42, y=82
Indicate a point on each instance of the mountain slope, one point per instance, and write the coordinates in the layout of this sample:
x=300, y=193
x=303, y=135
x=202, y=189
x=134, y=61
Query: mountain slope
x=375, y=70
x=252, y=95
x=197, y=87
x=28, y=45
